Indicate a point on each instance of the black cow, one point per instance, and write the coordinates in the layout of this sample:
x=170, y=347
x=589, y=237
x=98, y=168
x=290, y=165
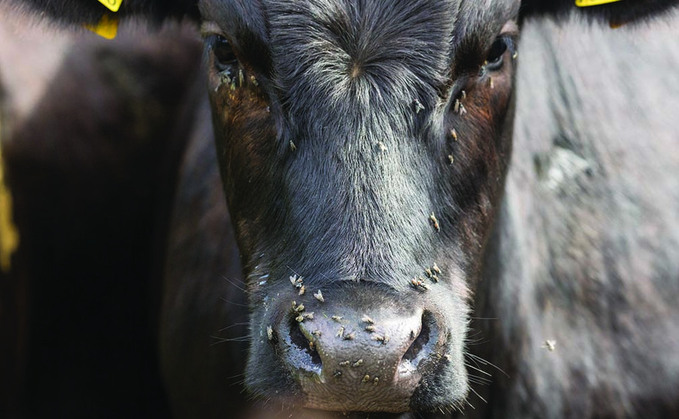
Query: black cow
x=90, y=171
x=362, y=149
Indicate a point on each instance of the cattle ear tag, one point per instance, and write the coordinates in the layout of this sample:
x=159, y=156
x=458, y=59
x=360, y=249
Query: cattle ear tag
x=9, y=236
x=107, y=27
x=585, y=3
x=112, y=5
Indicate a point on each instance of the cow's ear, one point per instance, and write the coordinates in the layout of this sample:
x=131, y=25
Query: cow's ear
x=609, y=11
x=92, y=11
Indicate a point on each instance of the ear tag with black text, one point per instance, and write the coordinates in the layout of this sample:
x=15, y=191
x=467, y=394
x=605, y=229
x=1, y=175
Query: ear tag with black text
x=112, y=5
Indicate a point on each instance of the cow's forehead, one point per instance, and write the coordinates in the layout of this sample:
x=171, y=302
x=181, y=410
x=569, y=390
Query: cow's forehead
x=361, y=53
x=454, y=19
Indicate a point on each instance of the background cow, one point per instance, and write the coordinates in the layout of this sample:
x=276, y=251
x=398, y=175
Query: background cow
x=573, y=265
x=91, y=159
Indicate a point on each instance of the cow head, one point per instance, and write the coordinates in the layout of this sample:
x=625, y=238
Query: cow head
x=363, y=147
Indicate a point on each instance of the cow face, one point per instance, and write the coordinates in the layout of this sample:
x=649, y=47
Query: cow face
x=363, y=147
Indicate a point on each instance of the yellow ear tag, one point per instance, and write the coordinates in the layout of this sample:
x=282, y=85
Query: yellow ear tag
x=107, y=27
x=112, y=5
x=583, y=3
x=9, y=236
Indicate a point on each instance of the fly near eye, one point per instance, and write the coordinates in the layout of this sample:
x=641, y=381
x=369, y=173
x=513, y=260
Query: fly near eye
x=223, y=53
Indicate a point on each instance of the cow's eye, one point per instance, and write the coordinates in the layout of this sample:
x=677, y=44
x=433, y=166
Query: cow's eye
x=496, y=54
x=223, y=53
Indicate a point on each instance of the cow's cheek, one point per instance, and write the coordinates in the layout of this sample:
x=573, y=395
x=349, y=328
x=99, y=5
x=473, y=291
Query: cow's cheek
x=245, y=135
x=480, y=147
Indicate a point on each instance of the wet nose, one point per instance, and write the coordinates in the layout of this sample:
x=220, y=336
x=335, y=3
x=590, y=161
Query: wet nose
x=352, y=359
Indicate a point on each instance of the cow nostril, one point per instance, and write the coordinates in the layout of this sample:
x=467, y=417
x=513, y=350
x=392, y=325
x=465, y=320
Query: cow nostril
x=305, y=355
x=416, y=347
x=421, y=346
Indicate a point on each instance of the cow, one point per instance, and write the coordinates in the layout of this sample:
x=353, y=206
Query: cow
x=362, y=151
x=90, y=172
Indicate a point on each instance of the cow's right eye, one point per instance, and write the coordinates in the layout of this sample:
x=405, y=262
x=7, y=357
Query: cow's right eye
x=494, y=60
x=225, y=58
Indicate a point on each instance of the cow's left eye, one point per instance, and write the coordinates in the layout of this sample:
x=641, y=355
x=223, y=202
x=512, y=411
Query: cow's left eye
x=223, y=53
x=495, y=57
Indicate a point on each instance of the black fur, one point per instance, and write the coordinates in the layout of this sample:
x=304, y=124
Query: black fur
x=333, y=131
x=79, y=11
x=91, y=178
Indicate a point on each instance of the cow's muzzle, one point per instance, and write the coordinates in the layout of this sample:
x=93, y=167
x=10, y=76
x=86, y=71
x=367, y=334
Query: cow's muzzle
x=360, y=350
